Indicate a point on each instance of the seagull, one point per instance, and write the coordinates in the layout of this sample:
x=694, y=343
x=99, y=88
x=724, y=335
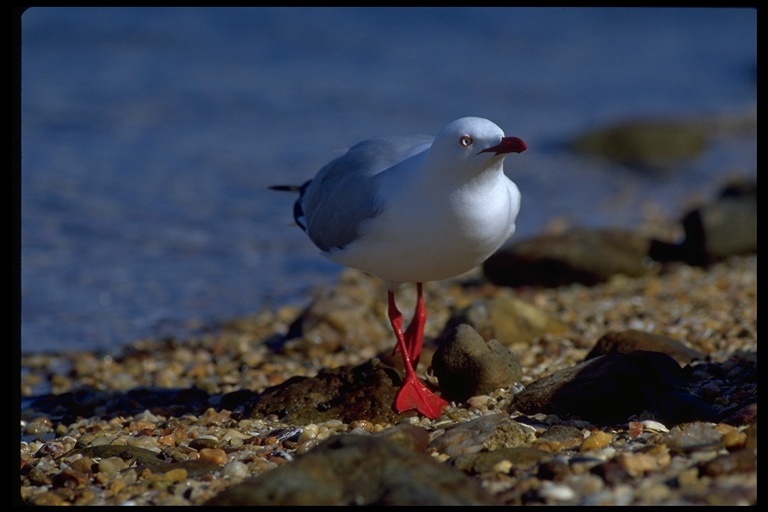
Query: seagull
x=412, y=209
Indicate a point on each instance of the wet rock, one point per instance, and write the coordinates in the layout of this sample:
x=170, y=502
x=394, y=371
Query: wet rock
x=364, y=392
x=587, y=256
x=655, y=144
x=486, y=433
x=624, y=342
x=358, y=470
x=715, y=230
x=466, y=365
x=506, y=319
x=611, y=388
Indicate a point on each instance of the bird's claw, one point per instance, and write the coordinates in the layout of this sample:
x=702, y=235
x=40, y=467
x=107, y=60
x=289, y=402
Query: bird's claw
x=414, y=395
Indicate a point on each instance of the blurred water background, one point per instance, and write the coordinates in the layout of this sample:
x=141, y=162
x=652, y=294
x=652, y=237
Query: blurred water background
x=150, y=135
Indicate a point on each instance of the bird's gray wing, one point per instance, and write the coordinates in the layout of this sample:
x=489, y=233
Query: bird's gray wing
x=343, y=194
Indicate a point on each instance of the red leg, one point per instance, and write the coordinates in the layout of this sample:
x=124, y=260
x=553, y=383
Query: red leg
x=414, y=335
x=413, y=394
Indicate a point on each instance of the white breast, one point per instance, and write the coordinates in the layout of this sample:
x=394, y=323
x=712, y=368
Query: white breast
x=420, y=237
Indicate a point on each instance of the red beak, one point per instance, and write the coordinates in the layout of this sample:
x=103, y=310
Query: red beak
x=507, y=145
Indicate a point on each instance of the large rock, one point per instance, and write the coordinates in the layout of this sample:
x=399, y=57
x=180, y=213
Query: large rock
x=610, y=389
x=717, y=229
x=587, y=256
x=364, y=392
x=466, y=365
x=358, y=470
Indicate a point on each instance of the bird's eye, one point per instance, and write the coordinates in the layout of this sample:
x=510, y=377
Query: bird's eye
x=466, y=141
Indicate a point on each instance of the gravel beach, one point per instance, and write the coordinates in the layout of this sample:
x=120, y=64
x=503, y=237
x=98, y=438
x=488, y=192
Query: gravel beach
x=187, y=422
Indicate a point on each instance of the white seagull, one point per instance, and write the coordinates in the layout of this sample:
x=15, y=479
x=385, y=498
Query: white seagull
x=410, y=210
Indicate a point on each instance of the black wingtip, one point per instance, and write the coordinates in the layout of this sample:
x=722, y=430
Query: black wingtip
x=285, y=188
x=298, y=212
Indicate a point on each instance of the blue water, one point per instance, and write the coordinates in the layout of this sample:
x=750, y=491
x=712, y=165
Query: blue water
x=150, y=135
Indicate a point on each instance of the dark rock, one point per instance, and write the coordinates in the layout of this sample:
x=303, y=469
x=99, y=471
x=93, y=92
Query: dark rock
x=364, y=392
x=715, y=230
x=609, y=389
x=624, y=342
x=466, y=365
x=587, y=256
x=358, y=470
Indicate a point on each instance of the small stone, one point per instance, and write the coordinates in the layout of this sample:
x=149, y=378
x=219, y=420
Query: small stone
x=204, y=442
x=596, y=441
x=175, y=475
x=637, y=464
x=734, y=439
x=83, y=464
x=557, y=492
x=235, y=470
x=111, y=465
x=214, y=455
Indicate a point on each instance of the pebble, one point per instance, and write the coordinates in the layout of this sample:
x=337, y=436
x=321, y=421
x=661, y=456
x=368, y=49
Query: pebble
x=214, y=455
x=596, y=441
x=235, y=470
